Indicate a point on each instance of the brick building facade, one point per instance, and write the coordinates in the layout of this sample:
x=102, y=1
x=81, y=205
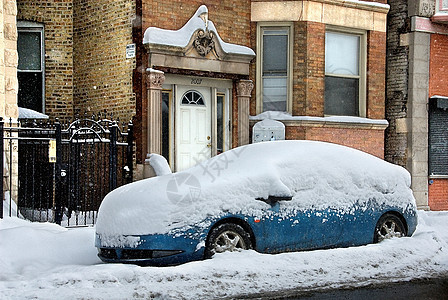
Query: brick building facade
x=247, y=60
x=84, y=64
x=299, y=89
x=417, y=96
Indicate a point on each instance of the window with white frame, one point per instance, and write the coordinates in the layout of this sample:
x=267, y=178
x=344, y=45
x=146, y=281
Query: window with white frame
x=30, y=73
x=274, y=68
x=442, y=6
x=344, y=74
x=441, y=12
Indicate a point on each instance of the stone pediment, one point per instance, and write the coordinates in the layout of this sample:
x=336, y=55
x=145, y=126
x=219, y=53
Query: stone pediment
x=197, y=39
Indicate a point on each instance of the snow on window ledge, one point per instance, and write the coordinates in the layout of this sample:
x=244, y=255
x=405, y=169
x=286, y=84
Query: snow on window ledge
x=331, y=121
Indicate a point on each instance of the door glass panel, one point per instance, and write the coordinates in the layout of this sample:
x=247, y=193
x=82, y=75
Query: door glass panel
x=192, y=98
x=166, y=95
x=220, y=120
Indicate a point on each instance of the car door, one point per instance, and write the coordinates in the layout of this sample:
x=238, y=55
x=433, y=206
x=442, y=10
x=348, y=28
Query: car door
x=287, y=227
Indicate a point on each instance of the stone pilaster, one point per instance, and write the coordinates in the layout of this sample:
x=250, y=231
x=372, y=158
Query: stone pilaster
x=8, y=60
x=244, y=90
x=154, y=83
x=417, y=135
x=9, y=87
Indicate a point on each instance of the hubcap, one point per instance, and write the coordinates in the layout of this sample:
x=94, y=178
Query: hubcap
x=228, y=241
x=388, y=230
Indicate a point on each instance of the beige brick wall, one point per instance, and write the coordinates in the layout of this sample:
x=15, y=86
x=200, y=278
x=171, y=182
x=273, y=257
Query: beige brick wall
x=86, y=70
x=57, y=17
x=103, y=75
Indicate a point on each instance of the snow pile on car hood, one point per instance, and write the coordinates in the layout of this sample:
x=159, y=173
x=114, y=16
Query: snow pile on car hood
x=318, y=175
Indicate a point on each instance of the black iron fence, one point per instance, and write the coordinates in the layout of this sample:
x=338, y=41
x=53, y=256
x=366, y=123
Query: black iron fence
x=61, y=172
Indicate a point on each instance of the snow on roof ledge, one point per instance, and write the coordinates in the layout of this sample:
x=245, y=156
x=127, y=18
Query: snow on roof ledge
x=181, y=38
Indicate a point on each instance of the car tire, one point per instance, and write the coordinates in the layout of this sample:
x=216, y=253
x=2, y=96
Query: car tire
x=227, y=237
x=388, y=226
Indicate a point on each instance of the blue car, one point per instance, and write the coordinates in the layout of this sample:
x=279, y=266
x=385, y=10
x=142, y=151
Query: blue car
x=271, y=197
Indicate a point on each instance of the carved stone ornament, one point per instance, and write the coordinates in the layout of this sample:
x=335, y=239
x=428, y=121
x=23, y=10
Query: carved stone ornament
x=427, y=8
x=203, y=43
x=155, y=79
x=245, y=88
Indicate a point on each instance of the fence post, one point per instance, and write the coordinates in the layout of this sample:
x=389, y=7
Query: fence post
x=113, y=153
x=1, y=167
x=58, y=177
x=130, y=153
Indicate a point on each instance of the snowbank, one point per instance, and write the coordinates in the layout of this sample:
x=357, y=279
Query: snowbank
x=159, y=164
x=45, y=261
x=318, y=175
x=32, y=248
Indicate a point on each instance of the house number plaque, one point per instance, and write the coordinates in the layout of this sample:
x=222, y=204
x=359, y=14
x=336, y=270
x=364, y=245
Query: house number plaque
x=52, y=151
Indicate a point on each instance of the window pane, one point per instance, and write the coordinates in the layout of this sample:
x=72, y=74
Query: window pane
x=341, y=53
x=220, y=123
x=341, y=96
x=275, y=54
x=29, y=48
x=274, y=93
x=166, y=125
x=438, y=139
x=30, y=90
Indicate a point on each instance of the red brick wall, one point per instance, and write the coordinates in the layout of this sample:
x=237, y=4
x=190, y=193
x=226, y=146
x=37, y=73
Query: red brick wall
x=231, y=17
x=438, y=65
x=367, y=140
x=438, y=85
x=315, y=69
x=438, y=194
x=376, y=74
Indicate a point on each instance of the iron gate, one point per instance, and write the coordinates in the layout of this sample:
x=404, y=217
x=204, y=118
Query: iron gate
x=65, y=170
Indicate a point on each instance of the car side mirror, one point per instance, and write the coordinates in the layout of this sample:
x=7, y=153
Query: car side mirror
x=274, y=199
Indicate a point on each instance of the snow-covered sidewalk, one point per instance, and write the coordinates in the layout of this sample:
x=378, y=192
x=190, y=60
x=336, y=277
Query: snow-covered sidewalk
x=46, y=261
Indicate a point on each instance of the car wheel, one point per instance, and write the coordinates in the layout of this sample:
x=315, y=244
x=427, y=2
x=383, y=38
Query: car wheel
x=227, y=237
x=389, y=226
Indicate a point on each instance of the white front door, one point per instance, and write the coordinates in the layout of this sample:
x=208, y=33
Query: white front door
x=193, y=126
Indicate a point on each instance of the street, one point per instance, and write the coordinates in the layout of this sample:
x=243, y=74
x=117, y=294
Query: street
x=422, y=289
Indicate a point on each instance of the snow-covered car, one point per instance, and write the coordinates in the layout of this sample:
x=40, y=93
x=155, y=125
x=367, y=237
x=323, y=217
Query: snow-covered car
x=272, y=197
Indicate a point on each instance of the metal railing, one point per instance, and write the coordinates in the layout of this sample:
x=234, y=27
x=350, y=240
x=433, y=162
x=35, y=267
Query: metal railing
x=61, y=172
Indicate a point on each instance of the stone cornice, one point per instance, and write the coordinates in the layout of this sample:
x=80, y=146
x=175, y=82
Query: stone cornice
x=347, y=13
x=364, y=5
